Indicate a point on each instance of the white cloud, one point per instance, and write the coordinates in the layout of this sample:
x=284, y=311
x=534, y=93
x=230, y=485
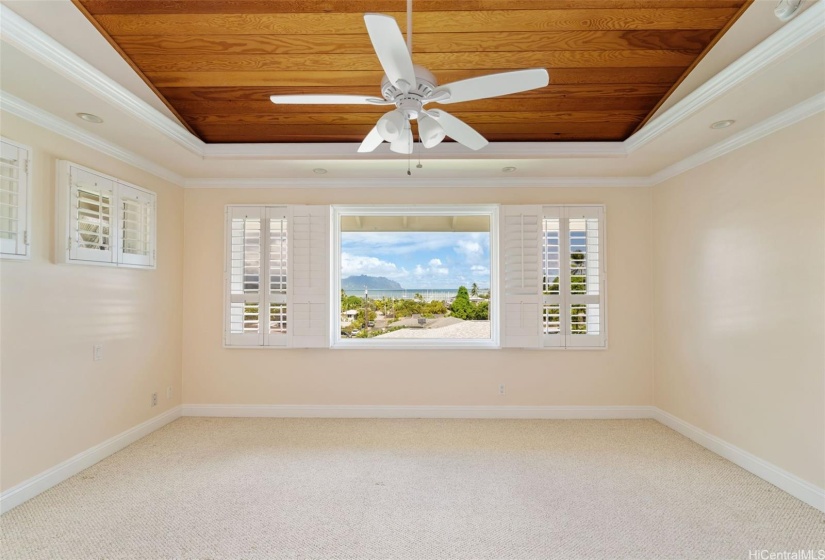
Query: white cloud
x=434, y=268
x=403, y=243
x=479, y=270
x=354, y=265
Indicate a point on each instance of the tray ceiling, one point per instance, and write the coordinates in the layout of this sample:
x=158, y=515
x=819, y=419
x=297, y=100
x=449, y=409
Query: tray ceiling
x=216, y=62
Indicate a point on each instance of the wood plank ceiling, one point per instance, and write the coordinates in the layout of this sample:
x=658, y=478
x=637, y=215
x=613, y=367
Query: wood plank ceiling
x=216, y=62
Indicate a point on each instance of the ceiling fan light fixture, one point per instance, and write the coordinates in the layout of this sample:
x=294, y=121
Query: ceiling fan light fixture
x=430, y=132
x=391, y=126
x=404, y=144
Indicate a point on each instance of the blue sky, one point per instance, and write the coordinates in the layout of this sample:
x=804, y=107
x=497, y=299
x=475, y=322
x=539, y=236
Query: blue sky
x=418, y=259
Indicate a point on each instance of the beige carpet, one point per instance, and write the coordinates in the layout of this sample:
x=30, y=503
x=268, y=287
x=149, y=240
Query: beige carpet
x=424, y=489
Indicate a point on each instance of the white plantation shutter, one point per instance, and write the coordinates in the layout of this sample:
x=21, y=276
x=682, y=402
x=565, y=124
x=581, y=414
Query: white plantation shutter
x=102, y=220
x=91, y=220
x=278, y=313
x=309, y=277
x=244, y=273
x=14, y=199
x=583, y=263
x=521, y=274
x=553, y=320
x=136, y=213
x=574, y=277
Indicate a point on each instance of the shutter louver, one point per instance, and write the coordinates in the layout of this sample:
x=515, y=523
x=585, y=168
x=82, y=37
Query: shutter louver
x=245, y=325
x=277, y=232
x=91, y=221
x=521, y=251
x=310, y=277
x=136, y=213
x=584, y=312
x=13, y=199
x=552, y=318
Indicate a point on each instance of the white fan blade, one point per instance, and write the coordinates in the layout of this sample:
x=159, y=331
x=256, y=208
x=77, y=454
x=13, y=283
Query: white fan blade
x=391, y=49
x=494, y=85
x=458, y=130
x=372, y=141
x=403, y=145
x=331, y=99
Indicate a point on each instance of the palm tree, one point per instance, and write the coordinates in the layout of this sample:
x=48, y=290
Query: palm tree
x=474, y=290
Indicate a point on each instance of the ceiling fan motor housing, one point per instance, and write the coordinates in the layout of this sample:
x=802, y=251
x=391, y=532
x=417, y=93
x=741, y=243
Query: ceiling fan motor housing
x=410, y=103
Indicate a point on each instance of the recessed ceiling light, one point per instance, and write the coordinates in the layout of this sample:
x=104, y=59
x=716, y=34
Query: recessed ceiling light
x=787, y=9
x=319, y=170
x=722, y=124
x=508, y=169
x=88, y=117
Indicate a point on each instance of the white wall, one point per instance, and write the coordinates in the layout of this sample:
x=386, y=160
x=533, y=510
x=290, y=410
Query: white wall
x=56, y=401
x=621, y=375
x=739, y=265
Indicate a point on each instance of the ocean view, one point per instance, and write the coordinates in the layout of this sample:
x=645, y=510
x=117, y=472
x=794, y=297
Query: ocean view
x=430, y=294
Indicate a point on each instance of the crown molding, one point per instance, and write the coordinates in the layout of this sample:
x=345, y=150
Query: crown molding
x=788, y=117
x=796, y=34
x=38, y=116
x=331, y=182
x=29, y=39
x=445, y=150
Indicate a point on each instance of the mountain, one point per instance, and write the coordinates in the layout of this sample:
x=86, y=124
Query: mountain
x=358, y=283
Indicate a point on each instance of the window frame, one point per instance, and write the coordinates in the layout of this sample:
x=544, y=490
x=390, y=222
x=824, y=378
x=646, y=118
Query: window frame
x=65, y=246
x=24, y=210
x=339, y=211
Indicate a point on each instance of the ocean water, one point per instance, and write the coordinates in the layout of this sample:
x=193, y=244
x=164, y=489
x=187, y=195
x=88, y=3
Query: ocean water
x=430, y=294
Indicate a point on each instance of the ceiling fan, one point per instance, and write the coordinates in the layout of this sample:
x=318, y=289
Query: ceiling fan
x=409, y=87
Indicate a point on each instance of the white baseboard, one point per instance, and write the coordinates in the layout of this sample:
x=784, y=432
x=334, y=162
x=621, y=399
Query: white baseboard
x=392, y=411
x=30, y=488
x=790, y=483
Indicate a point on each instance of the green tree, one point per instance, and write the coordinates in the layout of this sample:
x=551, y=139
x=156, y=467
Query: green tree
x=351, y=302
x=481, y=311
x=578, y=285
x=462, y=308
x=435, y=307
x=474, y=290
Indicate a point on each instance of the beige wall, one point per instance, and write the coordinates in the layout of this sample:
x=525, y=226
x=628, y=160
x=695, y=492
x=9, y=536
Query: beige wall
x=739, y=261
x=621, y=375
x=57, y=401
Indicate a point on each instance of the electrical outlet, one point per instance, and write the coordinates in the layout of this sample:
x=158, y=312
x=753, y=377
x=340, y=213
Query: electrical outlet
x=169, y=392
x=154, y=399
x=98, y=352
x=501, y=389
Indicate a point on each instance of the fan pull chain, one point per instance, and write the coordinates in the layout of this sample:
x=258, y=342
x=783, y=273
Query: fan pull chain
x=418, y=150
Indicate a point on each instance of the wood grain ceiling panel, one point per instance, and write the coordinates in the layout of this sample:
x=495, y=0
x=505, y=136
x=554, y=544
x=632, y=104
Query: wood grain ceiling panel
x=216, y=62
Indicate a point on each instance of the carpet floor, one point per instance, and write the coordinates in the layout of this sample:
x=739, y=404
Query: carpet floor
x=250, y=488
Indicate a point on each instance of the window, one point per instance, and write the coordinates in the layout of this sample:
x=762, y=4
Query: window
x=276, y=276
x=554, y=276
x=408, y=276
x=415, y=276
x=104, y=220
x=15, y=190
